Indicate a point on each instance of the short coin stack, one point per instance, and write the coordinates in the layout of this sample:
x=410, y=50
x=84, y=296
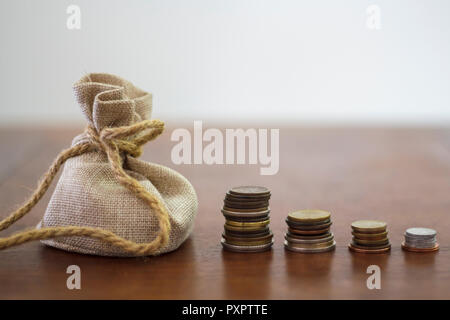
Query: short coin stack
x=420, y=240
x=246, y=210
x=309, y=232
x=369, y=236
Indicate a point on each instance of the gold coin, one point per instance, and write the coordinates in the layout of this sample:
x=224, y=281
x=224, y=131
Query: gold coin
x=246, y=233
x=247, y=219
x=248, y=224
x=371, y=242
x=310, y=245
x=309, y=215
x=369, y=226
x=248, y=243
x=370, y=236
x=250, y=219
x=248, y=237
x=249, y=191
x=244, y=229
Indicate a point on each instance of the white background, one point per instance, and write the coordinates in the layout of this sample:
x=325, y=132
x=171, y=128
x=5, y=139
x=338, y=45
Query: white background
x=233, y=60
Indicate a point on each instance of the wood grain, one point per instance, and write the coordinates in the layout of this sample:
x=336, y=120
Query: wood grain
x=401, y=176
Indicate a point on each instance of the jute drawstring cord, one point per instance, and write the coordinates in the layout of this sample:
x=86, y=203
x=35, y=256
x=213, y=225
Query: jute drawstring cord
x=112, y=141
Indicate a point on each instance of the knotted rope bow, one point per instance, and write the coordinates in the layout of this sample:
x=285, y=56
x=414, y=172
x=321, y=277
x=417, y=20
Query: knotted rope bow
x=112, y=141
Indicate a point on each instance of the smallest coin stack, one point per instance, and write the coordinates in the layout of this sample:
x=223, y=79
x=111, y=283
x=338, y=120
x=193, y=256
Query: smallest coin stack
x=246, y=211
x=420, y=240
x=369, y=236
x=309, y=232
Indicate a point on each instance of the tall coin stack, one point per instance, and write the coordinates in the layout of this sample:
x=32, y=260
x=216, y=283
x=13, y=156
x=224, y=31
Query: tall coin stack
x=309, y=232
x=246, y=211
x=369, y=236
x=420, y=240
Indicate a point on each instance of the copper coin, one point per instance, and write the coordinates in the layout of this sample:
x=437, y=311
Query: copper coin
x=307, y=228
x=236, y=197
x=308, y=241
x=364, y=247
x=370, y=236
x=312, y=223
x=308, y=237
x=248, y=205
x=254, y=210
x=247, y=234
x=308, y=232
x=250, y=190
x=246, y=201
x=369, y=226
x=250, y=219
x=420, y=250
x=358, y=250
x=254, y=213
x=371, y=243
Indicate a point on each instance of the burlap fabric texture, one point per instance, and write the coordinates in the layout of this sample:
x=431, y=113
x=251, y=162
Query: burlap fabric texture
x=91, y=193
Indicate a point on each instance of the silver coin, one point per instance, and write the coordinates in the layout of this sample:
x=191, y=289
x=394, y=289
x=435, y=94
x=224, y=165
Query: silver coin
x=310, y=250
x=235, y=248
x=420, y=244
x=420, y=232
x=418, y=240
x=308, y=241
x=427, y=238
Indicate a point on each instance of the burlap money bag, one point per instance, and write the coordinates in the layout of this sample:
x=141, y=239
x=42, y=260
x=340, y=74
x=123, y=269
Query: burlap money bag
x=107, y=202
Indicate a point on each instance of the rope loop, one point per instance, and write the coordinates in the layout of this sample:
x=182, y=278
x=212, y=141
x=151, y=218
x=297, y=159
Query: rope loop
x=112, y=141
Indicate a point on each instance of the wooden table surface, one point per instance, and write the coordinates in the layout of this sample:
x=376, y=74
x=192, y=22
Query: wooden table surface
x=401, y=176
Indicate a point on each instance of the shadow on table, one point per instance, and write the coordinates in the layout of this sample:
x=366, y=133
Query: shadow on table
x=169, y=276
x=246, y=275
x=419, y=260
x=361, y=261
x=308, y=274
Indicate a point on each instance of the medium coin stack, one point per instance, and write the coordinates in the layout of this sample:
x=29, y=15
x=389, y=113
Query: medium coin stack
x=246, y=211
x=369, y=236
x=420, y=240
x=309, y=232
